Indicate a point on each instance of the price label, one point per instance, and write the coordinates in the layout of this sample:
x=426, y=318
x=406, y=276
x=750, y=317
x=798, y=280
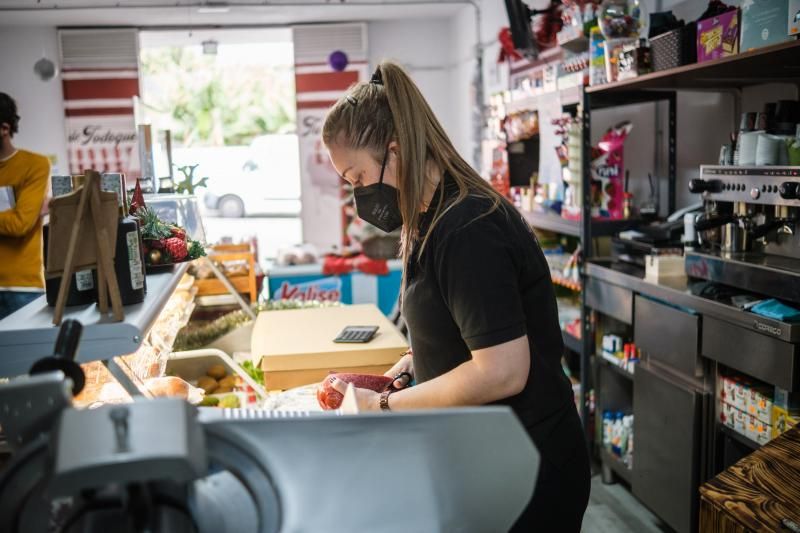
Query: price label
x=84, y=280
x=135, y=260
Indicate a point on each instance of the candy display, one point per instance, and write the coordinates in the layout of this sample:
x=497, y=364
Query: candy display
x=718, y=36
x=608, y=170
x=618, y=435
x=623, y=19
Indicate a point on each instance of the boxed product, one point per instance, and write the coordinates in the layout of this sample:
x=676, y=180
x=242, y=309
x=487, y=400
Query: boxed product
x=783, y=420
x=727, y=385
x=794, y=17
x=757, y=430
x=718, y=36
x=296, y=348
x=608, y=171
x=634, y=60
x=763, y=23
x=727, y=414
x=759, y=403
x=741, y=394
x=597, y=57
x=613, y=52
x=309, y=282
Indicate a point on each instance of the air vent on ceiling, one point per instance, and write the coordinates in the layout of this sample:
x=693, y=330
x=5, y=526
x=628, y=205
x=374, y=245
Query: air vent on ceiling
x=315, y=43
x=99, y=48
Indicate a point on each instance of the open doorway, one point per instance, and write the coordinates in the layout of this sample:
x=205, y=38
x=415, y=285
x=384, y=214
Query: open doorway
x=228, y=99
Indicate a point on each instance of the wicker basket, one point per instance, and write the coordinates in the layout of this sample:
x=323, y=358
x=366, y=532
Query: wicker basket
x=674, y=48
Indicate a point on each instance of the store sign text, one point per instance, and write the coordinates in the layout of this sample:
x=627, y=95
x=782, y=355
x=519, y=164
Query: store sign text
x=323, y=290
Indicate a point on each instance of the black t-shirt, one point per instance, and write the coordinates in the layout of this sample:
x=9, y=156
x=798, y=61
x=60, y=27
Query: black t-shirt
x=483, y=281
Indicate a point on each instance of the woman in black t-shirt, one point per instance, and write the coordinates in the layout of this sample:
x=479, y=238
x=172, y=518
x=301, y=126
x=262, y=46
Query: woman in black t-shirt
x=477, y=294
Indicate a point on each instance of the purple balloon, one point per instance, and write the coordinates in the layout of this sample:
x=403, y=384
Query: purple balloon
x=338, y=60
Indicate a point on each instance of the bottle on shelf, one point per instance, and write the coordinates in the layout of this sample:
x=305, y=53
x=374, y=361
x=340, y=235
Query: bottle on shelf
x=128, y=258
x=83, y=289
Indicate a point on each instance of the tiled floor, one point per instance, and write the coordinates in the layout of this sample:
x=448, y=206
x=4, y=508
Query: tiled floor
x=612, y=508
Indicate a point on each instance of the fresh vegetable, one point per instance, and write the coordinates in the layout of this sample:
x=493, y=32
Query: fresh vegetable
x=216, y=371
x=330, y=398
x=231, y=401
x=209, y=401
x=208, y=384
x=254, y=372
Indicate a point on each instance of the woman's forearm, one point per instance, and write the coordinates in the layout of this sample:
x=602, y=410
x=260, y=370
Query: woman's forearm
x=491, y=375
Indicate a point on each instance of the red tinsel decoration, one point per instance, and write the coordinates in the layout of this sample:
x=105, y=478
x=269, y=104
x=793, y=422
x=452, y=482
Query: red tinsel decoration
x=507, y=50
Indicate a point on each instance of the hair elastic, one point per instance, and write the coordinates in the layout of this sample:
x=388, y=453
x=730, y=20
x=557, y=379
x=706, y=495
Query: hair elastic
x=377, y=78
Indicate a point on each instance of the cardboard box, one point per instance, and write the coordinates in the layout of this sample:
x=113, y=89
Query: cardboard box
x=759, y=403
x=727, y=415
x=726, y=390
x=741, y=394
x=308, y=282
x=718, y=37
x=763, y=23
x=296, y=347
x=794, y=17
x=757, y=430
x=783, y=420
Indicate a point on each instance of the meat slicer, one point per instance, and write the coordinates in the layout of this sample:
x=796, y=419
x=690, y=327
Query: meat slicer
x=164, y=465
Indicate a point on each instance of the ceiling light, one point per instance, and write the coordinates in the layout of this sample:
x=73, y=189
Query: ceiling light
x=213, y=8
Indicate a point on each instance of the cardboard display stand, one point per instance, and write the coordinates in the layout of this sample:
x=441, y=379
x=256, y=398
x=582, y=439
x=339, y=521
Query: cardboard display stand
x=83, y=234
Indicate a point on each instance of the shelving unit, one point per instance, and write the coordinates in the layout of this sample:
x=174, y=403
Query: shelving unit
x=617, y=465
x=738, y=437
x=568, y=97
x=29, y=334
x=614, y=368
x=571, y=342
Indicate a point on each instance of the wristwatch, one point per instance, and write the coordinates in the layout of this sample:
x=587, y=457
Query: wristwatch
x=384, y=401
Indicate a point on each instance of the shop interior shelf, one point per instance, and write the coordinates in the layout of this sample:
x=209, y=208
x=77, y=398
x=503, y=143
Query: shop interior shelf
x=614, y=368
x=29, y=334
x=616, y=464
x=568, y=97
x=566, y=283
x=572, y=342
x=550, y=221
x=771, y=64
x=738, y=437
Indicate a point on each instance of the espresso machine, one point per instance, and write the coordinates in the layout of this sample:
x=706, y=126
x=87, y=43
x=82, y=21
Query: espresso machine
x=748, y=234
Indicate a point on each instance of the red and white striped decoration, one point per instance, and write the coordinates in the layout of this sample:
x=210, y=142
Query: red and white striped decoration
x=101, y=129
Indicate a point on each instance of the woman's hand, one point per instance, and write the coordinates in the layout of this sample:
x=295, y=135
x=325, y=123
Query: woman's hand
x=405, y=364
x=366, y=399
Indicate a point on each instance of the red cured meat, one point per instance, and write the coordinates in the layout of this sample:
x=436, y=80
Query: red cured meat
x=330, y=398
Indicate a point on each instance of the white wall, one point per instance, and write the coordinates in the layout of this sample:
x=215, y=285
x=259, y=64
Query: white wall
x=40, y=103
x=423, y=48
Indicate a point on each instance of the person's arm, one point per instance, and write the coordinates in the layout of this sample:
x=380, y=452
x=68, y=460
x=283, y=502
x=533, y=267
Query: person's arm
x=478, y=276
x=20, y=220
x=493, y=373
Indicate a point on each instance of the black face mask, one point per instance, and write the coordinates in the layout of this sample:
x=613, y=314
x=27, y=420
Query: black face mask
x=379, y=203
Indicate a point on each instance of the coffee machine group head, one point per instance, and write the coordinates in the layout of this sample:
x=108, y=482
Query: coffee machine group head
x=749, y=210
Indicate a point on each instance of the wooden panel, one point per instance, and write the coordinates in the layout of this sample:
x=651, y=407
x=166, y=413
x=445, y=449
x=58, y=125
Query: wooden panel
x=715, y=520
x=762, y=489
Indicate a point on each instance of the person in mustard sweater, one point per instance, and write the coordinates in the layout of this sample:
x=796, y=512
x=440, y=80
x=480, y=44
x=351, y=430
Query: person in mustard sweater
x=23, y=186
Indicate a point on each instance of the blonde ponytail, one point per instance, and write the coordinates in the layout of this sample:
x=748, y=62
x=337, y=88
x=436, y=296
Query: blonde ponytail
x=391, y=108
